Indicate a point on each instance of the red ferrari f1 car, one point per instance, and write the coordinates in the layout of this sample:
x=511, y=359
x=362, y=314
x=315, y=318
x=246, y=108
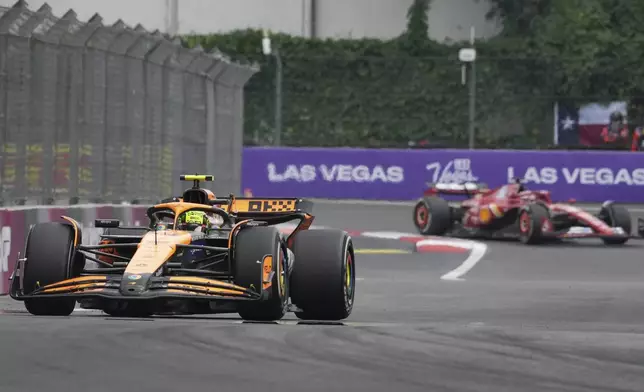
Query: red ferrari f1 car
x=512, y=211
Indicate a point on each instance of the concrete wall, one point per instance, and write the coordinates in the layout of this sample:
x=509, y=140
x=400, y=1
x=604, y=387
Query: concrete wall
x=449, y=19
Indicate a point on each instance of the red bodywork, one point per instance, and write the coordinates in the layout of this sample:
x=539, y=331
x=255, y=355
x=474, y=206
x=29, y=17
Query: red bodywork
x=489, y=205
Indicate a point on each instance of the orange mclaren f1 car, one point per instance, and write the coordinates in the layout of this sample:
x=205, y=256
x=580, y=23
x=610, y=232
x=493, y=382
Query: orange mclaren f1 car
x=199, y=254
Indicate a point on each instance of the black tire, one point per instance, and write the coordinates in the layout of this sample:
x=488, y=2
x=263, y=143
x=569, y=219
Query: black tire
x=531, y=220
x=51, y=258
x=615, y=215
x=323, y=277
x=253, y=244
x=432, y=216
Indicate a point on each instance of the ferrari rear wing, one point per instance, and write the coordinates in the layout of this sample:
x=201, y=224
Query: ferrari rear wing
x=466, y=188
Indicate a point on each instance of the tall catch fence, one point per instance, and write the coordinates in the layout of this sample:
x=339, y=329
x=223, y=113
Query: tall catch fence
x=111, y=113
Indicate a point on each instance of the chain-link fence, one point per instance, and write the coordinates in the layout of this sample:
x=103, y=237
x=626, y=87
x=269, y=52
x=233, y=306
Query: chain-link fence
x=111, y=113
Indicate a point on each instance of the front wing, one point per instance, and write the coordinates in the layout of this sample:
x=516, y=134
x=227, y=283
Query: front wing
x=162, y=287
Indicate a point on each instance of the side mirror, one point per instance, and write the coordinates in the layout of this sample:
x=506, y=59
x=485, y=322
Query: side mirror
x=107, y=223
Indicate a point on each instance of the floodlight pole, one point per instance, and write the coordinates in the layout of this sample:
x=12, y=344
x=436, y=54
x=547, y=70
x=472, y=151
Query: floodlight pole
x=468, y=55
x=279, y=75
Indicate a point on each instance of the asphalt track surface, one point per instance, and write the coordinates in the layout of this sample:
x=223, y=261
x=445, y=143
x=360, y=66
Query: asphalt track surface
x=565, y=318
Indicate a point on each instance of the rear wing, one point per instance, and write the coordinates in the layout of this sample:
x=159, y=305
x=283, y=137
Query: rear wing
x=261, y=207
x=466, y=188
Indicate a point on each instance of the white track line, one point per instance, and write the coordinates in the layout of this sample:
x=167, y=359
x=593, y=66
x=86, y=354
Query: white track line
x=386, y=235
x=476, y=255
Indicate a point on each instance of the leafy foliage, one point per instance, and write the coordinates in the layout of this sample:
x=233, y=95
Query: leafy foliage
x=518, y=16
x=417, y=25
x=386, y=93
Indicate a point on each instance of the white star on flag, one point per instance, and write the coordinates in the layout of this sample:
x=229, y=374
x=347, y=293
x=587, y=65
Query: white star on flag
x=567, y=123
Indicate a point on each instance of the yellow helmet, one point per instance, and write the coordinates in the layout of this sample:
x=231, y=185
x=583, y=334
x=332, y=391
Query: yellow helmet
x=194, y=218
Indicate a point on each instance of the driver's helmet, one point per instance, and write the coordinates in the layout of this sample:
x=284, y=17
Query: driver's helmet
x=193, y=220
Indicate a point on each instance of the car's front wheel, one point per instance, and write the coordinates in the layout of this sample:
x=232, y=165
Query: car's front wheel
x=532, y=220
x=259, y=255
x=50, y=258
x=615, y=215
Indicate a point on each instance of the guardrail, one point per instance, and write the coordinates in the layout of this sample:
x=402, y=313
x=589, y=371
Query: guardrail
x=387, y=174
x=15, y=224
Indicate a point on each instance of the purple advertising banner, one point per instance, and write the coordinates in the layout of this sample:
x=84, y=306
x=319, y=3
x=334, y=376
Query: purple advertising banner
x=344, y=173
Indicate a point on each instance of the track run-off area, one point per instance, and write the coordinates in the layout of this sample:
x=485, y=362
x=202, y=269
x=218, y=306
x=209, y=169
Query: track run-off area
x=430, y=314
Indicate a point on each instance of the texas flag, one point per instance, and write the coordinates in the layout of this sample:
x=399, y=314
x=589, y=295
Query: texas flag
x=582, y=125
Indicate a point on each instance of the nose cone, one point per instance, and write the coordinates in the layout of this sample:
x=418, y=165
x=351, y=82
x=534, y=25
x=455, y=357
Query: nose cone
x=134, y=284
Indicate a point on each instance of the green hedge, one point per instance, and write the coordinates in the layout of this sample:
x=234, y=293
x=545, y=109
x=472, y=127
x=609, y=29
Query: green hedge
x=387, y=93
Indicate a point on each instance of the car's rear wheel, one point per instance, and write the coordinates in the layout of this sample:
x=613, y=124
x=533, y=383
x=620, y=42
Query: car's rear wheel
x=51, y=257
x=257, y=248
x=323, y=280
x=532, y=220
x=615, y=215
x=432, y=216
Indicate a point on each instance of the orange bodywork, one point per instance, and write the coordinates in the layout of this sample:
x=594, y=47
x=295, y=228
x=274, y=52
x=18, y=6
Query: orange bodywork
x=266, y=271
x=155, y=249
x=81, y=283
x=77, y=238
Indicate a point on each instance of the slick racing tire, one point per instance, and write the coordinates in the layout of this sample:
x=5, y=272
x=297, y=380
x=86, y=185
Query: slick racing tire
x=323, y=280
x=51, y=257
x=432, y=216
x=615, y=215
x=531, y=221
x=255, y=244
